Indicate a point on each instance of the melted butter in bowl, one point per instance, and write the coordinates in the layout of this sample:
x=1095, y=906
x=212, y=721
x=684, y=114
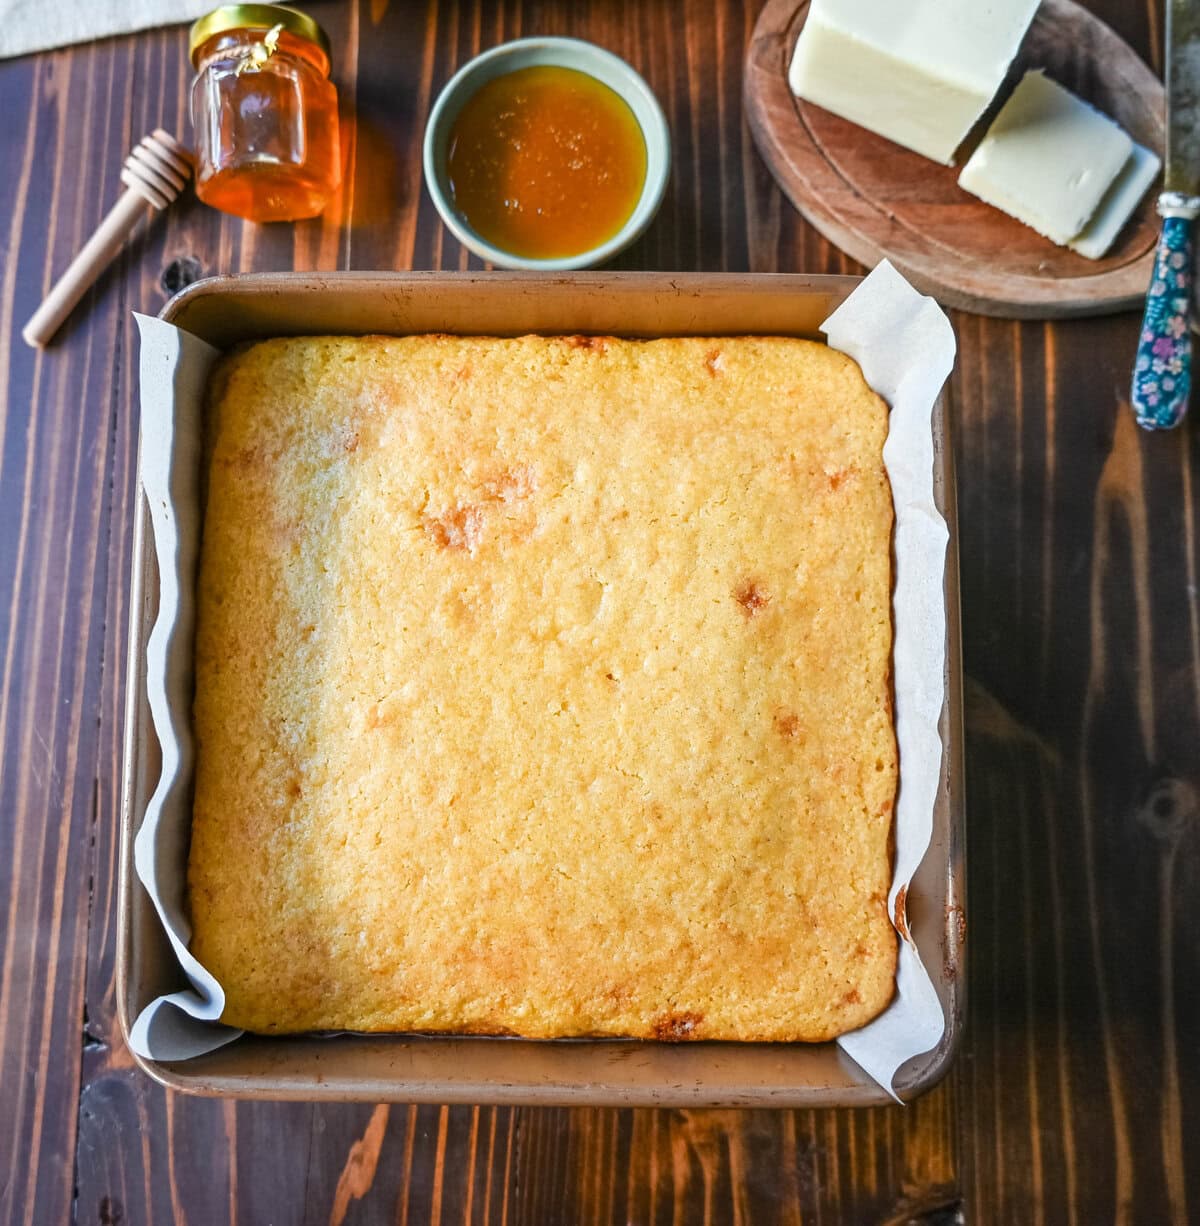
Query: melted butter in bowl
x=547, y=154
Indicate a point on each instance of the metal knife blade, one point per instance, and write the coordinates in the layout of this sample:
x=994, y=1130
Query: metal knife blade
x=1183, y=97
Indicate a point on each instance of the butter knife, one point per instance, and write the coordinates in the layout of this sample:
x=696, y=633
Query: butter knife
x=1162, y=372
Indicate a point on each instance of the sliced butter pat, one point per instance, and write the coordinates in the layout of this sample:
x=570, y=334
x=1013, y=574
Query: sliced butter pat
x=1048, y=159
x=1125, y=194
x=919, y=72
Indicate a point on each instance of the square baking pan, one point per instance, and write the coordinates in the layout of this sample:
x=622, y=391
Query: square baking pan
x=469, y=1069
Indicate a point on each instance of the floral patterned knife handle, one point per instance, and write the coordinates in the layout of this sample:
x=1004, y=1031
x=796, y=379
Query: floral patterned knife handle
x=1162, y=373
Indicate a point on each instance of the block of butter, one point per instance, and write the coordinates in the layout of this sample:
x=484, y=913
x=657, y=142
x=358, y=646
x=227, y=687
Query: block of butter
x=919, y=72
x=1051, y=161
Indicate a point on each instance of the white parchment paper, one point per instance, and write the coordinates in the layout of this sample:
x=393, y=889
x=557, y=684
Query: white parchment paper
x=174, y=373
x=905, y=346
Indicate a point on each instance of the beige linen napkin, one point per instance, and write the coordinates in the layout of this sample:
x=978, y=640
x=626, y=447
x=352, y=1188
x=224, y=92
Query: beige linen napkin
x=34, y=25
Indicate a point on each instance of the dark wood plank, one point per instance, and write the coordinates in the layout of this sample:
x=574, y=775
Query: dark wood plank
x=1074, y=1096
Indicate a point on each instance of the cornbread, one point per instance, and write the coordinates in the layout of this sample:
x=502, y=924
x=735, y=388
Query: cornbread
x=543, y=688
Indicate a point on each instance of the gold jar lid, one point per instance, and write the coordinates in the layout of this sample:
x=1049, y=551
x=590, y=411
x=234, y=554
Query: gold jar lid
x=256, y=17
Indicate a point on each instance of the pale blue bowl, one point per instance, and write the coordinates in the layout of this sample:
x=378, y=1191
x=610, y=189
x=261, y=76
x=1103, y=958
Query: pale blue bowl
x=608, y=69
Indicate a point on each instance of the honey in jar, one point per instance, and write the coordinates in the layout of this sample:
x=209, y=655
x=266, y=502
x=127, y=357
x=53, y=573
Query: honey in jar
x=264, y=113
x=546, y=162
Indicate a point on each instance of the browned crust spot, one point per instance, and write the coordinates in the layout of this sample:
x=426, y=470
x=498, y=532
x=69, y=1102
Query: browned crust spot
x=752, y=596
x=787, y=724
x=461, y=528
x=592, y=344
x=516, y=481
x=464, y=526
x=676, y=1027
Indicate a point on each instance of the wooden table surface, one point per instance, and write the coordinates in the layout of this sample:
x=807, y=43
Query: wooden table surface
x=1074, y=1096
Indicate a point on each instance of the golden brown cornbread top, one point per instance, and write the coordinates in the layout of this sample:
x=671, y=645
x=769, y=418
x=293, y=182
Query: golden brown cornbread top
x=543, y=687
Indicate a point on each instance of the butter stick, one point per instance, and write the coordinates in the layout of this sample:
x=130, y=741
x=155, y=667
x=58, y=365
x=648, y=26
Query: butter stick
x=919, y=72
x=1049, y=160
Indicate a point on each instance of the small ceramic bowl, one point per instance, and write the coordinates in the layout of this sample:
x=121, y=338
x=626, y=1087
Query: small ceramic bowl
x=606, y=68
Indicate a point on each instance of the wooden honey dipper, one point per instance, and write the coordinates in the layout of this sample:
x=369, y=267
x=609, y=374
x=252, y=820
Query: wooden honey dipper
x=154, y=173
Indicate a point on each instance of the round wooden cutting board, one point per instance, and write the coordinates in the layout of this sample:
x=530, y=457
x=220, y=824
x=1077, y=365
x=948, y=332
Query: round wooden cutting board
x=876, y=199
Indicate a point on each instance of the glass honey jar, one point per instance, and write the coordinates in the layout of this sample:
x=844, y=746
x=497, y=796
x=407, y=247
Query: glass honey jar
x=264, y=112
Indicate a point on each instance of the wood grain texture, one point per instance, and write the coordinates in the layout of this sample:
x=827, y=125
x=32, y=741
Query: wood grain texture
x=1074, y=1097
x=874, y=198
